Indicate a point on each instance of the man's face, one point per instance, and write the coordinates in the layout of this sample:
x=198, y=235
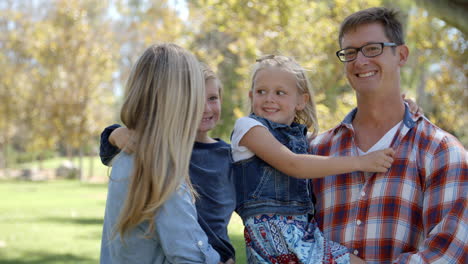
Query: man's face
x=379, y=74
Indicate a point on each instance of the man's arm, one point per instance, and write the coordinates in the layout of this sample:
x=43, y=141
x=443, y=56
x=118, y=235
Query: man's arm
x=445, y=215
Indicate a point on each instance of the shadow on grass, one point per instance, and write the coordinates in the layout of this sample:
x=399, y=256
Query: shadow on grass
x=36, y=257
x=74, y=220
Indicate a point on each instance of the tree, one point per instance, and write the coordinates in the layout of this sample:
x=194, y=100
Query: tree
x=436, y=71
x=453, y=12
x=67, y=55
x=14, y=61
x=78, y=56
x=140, y=23
x=230, y=35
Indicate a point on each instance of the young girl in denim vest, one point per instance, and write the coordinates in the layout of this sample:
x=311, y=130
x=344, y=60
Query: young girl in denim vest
x=272, y=169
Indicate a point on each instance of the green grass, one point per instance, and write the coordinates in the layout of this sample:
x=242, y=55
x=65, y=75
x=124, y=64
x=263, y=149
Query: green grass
x=236, y=233
x=61, y=222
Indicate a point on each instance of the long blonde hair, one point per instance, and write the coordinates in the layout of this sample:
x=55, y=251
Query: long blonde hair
x=164, y=103
x=308, y=115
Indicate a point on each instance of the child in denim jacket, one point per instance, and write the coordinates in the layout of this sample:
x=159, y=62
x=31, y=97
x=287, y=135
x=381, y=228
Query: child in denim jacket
x=272, y=169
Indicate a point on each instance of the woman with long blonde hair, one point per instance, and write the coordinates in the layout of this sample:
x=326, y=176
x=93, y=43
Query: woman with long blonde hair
x=150, y=215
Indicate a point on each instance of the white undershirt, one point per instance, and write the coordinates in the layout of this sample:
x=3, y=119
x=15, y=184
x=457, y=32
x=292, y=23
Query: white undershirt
x=241, y=127
x=383, y=142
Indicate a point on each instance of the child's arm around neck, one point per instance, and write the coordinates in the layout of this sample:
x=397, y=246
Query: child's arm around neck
x=261, y=142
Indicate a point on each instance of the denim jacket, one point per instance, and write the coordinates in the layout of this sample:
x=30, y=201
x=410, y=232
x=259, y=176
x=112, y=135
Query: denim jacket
x=262, y=189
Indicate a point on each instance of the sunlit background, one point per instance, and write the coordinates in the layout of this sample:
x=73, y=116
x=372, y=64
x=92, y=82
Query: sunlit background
x=64, y=65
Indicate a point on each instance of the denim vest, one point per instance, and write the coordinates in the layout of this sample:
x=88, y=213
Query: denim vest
x=262, y=189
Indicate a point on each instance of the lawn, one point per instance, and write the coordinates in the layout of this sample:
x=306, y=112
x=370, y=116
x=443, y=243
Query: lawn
x=61, y=222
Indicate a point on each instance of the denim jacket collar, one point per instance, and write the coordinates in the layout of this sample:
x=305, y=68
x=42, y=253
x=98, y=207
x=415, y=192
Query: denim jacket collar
x=275, y=125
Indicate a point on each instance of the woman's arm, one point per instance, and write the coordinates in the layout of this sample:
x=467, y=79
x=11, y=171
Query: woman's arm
x=261, y=142
x=180, y=235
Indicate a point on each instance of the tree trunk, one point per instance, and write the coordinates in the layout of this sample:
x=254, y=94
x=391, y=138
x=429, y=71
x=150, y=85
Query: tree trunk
x=80, y=164
x=3, y=157
x=91, y=166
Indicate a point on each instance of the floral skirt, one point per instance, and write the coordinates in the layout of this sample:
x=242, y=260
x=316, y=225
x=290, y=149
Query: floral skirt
x=289, y=240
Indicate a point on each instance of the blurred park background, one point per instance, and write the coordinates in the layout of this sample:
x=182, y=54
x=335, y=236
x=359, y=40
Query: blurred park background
x=64, y=65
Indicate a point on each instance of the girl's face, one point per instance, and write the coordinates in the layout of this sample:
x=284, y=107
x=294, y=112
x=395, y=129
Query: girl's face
x=275, y=96
x=212, y=111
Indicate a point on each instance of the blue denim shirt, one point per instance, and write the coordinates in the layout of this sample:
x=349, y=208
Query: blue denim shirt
x=178, y=237
x=262, y=189
x=211, y=176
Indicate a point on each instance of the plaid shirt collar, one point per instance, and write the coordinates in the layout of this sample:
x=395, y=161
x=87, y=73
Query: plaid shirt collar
x=409, y=119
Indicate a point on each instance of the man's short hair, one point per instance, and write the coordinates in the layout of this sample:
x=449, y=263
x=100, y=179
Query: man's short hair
x=388, y=18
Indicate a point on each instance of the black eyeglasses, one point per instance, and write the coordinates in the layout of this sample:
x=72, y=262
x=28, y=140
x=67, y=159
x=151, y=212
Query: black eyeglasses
x=369, y=50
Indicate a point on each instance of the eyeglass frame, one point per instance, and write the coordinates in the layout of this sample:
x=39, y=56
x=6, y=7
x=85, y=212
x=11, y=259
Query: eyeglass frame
x=383, y=44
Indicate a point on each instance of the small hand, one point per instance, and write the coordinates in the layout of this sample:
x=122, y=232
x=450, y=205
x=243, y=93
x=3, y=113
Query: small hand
x=413, y=106
x=230, y=261
x=377, y=161
x=123, y=139
x=356, y=260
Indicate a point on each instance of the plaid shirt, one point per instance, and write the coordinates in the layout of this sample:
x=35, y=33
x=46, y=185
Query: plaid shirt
x=414, y=213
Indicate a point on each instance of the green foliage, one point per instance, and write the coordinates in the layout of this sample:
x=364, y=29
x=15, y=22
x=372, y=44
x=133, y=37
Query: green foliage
x=232, y=34
x=229, y=35
x=24, y=157
x=63, y=61
x=436, y=72
x=59, y=60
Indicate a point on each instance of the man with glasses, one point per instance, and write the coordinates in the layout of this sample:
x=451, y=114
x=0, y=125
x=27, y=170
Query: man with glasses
x=416, y=212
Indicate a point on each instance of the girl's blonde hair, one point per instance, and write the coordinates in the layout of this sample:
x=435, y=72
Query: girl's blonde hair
x=164, y=103
x=307, y=116
x=209, y=74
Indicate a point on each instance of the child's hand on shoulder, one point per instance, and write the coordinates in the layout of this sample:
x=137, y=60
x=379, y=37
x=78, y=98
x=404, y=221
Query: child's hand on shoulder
x=413, y=106
x=377, y=161
x=122, y=138
x=356, y=260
